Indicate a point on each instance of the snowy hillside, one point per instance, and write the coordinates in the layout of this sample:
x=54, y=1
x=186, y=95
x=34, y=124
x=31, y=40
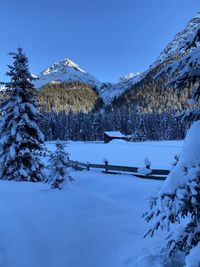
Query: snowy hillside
x=111, y=91
x=179, y=41
x=66, y=70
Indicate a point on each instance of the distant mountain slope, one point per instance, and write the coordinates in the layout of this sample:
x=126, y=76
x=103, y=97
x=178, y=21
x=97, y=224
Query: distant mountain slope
x=110, y=91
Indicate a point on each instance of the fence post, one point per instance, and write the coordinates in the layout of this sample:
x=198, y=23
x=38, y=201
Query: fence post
x=106, y=165
x=76, y=165
x=88, y=166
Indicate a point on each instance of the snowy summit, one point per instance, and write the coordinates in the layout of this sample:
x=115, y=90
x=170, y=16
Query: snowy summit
x=66, y=71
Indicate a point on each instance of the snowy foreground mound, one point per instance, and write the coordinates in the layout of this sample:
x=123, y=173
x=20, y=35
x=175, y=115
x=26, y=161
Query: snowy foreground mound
x=95, y=222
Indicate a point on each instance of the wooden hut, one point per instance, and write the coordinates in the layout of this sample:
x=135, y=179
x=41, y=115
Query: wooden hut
x=109, y=136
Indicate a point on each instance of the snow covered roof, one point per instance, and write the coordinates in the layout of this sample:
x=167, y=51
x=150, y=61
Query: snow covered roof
x=114, y=134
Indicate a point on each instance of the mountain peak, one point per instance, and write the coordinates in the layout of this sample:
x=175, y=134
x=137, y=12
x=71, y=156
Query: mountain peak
x=62, y=65
x=66, y=71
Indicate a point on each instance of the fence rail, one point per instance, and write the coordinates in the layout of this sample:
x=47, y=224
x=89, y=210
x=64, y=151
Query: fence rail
x=156, y=174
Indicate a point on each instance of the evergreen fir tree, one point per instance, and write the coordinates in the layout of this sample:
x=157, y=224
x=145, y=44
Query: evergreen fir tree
x=20, y=135
x=178, y=201
x=59, y=165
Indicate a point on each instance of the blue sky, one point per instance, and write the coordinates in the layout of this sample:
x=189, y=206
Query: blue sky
x=107, y=38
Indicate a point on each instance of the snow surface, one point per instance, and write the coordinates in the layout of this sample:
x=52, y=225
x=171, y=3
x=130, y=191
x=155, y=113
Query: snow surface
x=194, y=258
x=118, y=141
x=94, y=222
x=144, y=171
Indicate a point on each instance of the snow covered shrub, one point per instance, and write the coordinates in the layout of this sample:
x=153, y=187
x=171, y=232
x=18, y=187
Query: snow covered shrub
x=20, y=135
x=59, y=165
x=178, y=201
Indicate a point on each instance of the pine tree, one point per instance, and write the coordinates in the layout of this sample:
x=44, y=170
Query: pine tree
x=179, y=198
x=20, y=135
x=59, y=165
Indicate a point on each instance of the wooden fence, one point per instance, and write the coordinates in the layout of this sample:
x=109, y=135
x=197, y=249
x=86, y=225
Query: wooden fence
x=114, y=169
x=155, y=174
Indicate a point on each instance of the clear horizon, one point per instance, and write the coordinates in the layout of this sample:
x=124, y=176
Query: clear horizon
x=108, y=39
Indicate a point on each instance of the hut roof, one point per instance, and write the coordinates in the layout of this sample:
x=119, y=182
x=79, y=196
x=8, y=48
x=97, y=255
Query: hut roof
x=114, y=134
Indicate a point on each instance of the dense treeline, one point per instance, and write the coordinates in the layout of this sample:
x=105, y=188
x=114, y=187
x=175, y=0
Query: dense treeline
x=68, y=96
x=150, y=95
x=91, y=126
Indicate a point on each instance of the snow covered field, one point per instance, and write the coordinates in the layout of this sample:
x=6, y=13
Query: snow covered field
x=95, y=222
x=161, y=153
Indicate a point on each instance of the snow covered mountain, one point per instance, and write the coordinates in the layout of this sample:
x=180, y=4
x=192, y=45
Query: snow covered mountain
x=172, y=50
x=143, y=90
x=66, y=71
x=178, y=43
